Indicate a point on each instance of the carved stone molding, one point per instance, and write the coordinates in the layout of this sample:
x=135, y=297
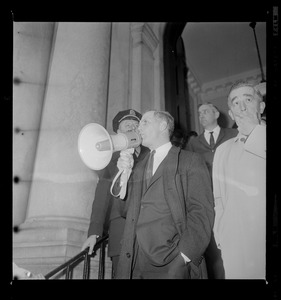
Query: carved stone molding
x=193, y=83
x=143, y=34
x=221, y=85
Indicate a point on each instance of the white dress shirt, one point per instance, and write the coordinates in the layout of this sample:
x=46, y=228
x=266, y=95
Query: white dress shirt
x=160, y=153
x=216, y=132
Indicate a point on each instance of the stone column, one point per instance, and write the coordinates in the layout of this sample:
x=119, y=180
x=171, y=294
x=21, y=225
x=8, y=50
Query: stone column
x=159, y=90
x=143, y=67
x=63, y=188
x=118, y=97
x=32, y=47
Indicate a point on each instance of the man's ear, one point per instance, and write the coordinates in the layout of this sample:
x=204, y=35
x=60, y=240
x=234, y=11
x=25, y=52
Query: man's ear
x=262, y=107
x=163, y=125
x=217, y=114
x=231, y=115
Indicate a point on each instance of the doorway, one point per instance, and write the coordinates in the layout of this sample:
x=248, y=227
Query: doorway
x=175, y=76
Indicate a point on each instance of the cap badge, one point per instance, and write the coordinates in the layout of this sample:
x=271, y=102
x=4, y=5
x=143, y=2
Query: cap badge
x=132, y=112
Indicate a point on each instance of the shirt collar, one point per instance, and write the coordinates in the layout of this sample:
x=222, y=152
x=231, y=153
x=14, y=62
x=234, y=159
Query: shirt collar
x=164, y=148
x=215, y=130
x=243, y=137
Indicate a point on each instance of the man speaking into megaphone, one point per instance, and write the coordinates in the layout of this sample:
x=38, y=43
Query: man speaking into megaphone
x=107, y=216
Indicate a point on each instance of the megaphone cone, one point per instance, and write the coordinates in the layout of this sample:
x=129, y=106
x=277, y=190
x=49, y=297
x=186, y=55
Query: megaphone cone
x=96, y=146
x=89, y=136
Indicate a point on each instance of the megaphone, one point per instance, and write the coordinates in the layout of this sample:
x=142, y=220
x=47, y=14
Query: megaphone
x=96, y=146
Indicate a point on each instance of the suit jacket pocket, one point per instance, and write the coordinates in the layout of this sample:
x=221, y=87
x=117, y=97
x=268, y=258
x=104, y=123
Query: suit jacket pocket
x=159, y=240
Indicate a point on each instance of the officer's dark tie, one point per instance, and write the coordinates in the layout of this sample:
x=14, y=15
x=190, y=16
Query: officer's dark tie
x=212, y=140
x=149, y=167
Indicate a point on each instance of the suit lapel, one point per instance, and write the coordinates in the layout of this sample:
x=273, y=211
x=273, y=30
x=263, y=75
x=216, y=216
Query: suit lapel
x=159, y=171
x=157, y=174
x=220, y=137
x=137, y=176
x=203, y=140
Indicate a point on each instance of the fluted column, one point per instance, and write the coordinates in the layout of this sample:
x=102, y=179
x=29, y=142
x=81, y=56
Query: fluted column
x=62, y=189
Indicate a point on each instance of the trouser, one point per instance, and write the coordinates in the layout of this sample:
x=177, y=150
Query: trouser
x=214, y=261
x=114, y=260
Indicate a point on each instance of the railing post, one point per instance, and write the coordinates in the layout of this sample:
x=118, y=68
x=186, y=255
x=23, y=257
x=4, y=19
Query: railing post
x=70, y=264
x=67, y=272
x=86, y=269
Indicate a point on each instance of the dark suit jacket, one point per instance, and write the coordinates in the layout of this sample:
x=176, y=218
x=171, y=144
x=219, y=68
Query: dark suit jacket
x=201, y=146
x=106, y=209
x=188, y=192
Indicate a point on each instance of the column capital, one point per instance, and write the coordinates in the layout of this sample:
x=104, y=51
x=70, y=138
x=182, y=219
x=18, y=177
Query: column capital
x=142, y=33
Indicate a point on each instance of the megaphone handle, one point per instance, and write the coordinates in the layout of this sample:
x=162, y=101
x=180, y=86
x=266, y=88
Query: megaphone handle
x=124, y=180
x=125, y=174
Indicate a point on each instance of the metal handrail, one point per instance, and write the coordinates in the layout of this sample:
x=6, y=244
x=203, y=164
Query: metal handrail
x=83, y=255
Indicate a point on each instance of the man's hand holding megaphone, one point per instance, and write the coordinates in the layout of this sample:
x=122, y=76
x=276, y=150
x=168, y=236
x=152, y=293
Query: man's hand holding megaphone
x=126, y=160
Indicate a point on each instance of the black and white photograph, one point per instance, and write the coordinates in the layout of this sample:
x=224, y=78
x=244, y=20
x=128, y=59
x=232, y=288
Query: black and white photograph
x=139, y=150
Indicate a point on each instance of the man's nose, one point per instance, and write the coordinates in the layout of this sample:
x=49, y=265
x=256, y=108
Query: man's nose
x=133, y=126
x=242, y=106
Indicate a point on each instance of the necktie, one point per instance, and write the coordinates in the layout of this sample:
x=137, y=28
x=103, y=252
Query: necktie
x=149, y=166
x=212, y=140
x=134, y=156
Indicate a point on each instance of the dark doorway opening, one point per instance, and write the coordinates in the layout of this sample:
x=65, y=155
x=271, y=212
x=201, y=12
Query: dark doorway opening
x=175, y=76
